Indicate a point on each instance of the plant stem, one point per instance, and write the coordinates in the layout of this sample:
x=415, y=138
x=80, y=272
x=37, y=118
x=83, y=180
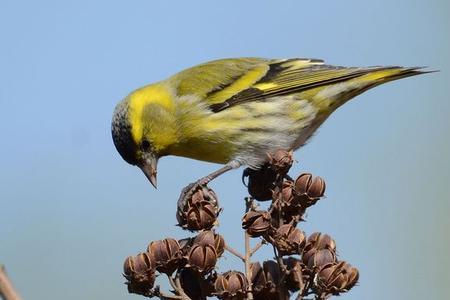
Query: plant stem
x=248, y=253
x=7, y=291
x=176, y=285
x=247, y=266
x=256, y=248
x=277, y=203
x=234, y=252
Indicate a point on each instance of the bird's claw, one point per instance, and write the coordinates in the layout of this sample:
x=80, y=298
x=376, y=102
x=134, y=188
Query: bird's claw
x=188, y=191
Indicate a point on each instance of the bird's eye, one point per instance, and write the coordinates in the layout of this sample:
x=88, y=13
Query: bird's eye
x=145, y=145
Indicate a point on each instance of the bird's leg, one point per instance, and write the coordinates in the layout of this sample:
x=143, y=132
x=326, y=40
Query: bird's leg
x=188, y=191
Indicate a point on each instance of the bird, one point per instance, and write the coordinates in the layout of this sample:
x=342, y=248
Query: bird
x=236, y=111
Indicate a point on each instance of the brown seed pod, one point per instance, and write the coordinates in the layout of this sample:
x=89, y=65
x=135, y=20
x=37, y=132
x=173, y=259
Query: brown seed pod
x=297, y=278
x=281, y=161
x=286, y=195
x=140, y=273
x=315, y=258
x=289, y=240
x=202, y=258
x=200, y=211
x=319, y=241
x=261, y=182
x=320, y=249
x=256, y=222
x=166, y=254
x=265, y=279
x=209, y=237
x=287, y=205
x=336, y=278
x=309, y=189
x=193, y=284
x=303, y=182
x=231, y=285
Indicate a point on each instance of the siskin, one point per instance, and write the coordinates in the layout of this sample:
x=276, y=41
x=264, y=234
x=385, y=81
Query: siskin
x=236, y=111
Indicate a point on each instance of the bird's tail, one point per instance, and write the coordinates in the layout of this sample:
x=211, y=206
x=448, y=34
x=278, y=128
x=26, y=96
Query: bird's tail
x=376, y=76
x=385, y=74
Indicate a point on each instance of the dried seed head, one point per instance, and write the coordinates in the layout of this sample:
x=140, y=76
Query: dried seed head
x=200, y=211
x=231, y=284
x=140, y=274
x=320, y=249
x=320, y=241
x=202, y=258
x=261, y=182
x=286, y=195
x=265, y=279
x=336, y=278
x=317, y=188
x=281, y=161
x=166, y=254
x=315, y=259
x=297, y=278
x=287, y=204
x=289, y=240
x=209, y=237
x=256, y=222
x=193, y=284
x=309, y=189
x=303, y=182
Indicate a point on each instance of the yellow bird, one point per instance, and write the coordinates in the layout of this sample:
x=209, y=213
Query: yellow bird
x=235, y=111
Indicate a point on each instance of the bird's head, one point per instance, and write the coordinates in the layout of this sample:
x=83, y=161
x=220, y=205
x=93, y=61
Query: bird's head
x=141, y=128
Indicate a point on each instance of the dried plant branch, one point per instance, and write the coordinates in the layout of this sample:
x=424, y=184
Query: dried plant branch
x=156, y=292
x=283, y=272
x=303, y=266
x=180, y=288
x=248, y=253
x=257, y=247
x=234, y=252
x=7, y=291
x=176, y=285
x=247, y=262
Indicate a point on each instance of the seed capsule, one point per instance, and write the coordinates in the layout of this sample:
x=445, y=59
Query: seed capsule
x=202, y=258
x=297, y=278
x=314, y=259
x=289, y=240
x=231, y=285
x=140, y=274
x=337, y=278
x=281, y=161
x=309, y=189
x=193, y=284
x=320, y=241
x=256, y=222
x=166, y=254
x=265, y=279
x=320, y=249
x=209, y=237
x=200, y=211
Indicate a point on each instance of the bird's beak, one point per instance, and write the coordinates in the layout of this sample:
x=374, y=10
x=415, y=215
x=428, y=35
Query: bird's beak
x=148, y=165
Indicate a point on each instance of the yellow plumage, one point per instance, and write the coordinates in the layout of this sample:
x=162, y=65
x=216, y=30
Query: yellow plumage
x=234, y=111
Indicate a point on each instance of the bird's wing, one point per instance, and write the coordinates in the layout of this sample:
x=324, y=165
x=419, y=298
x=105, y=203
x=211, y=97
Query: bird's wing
x=228, y=82
x=219, y=75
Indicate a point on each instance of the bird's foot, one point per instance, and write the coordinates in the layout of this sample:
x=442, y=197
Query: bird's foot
x=188, y=191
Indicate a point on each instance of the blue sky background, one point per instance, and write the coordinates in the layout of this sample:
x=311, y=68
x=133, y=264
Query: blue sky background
x=71, y=210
